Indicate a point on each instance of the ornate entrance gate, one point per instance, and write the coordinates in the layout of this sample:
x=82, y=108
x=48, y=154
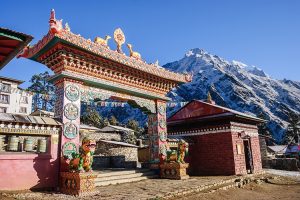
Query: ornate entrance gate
x=85, y=70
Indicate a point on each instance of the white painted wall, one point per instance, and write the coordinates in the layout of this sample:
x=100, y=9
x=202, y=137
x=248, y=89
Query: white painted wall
x=15, y=99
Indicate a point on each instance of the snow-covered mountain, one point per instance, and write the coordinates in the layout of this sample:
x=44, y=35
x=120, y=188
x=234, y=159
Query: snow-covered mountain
x=238, y=86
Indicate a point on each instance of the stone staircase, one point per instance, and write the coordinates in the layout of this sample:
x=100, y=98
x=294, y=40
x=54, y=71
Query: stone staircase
x=117, y=176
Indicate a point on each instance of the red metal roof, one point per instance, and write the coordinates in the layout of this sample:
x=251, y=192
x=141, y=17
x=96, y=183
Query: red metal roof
x=197, y=109
x=11, y=43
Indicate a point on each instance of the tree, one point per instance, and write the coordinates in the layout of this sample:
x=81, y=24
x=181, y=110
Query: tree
x=106, y=122
x=113, y=120
x=133, y=124
x=130, y=136
x=44, y=92
x=263, y=129
x=293, y=129
x=92, y=117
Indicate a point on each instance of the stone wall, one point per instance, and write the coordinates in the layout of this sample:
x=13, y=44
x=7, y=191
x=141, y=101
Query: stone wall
x=263, y=152
x=290, y=164
x=144, y=154
x=102, y=136
x=109, y=155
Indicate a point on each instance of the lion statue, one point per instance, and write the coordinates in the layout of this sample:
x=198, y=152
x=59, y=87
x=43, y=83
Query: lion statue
x=178, y=155
x=83, y=161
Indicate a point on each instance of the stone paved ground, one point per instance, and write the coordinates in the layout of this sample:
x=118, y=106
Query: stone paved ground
x=290, y=174
x=270, y=187
x=152, y=188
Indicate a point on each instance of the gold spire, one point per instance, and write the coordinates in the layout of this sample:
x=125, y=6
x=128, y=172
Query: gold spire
x=209, y=99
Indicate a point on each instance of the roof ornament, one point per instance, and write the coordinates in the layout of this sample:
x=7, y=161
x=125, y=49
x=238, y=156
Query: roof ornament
x=209, y=99
x=55, y=26
x=134, y=54
x=24, y=53
x=67, y=27
x=101, y=41
x=119, y=38
x=156, y=64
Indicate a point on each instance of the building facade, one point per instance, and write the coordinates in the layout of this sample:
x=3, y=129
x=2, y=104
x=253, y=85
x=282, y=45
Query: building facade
x=29, y=152
x=222, y=141
x=14, y=99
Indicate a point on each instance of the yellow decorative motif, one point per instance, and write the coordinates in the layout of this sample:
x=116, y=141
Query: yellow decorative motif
x=101, y=41
x=134, y=54
x=119, y=39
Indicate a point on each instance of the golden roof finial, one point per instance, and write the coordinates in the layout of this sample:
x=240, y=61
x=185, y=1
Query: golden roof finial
x=209, y=99
x=119, y=38
x=134, y=54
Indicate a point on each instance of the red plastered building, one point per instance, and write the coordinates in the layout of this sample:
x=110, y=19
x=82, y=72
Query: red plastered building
x=222, y=141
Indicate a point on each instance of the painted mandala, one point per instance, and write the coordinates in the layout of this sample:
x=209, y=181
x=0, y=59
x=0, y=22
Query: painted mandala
x=71, y=111
x=70, y=130
x=72, y=93
x=69, y=148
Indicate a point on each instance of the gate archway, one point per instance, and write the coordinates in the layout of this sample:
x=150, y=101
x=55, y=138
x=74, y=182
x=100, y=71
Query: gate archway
x=85, y=70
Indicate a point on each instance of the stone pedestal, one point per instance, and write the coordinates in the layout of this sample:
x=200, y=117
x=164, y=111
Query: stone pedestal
x=174, y=170
x=76, y=183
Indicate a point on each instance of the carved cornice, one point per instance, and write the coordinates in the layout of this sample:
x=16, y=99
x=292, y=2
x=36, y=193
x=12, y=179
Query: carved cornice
x=68, y=59
x=110, y=85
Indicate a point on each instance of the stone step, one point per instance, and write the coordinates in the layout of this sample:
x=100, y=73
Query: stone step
x=125, y=176
x=127, y=180
x=107, y=173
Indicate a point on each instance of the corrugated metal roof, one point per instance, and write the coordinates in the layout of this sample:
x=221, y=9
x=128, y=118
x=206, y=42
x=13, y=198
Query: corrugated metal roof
x=85, y=126
x=27, y=119
x=7, y=117
x=229, y=111
x=111, y=128
x=119, y=143
x=280, y=149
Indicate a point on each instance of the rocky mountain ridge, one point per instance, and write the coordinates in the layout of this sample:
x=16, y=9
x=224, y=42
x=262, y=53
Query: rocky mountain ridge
x=238, y=86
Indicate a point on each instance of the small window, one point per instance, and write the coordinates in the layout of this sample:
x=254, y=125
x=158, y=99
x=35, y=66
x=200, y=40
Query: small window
x=5, y=87
x=4, y=98
x=23, y=110
x=3, y=110
x=240, y=148
x=24, y=100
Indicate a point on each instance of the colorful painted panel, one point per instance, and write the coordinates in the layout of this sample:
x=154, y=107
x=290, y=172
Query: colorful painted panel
x=70, y=130
x=71, y=111
x=72, y=93
x=68, y=149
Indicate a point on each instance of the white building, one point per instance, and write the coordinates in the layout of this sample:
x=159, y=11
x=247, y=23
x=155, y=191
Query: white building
x=14, y=99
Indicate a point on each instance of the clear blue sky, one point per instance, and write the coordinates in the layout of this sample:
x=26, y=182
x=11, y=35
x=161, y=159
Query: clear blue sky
x=264, y=33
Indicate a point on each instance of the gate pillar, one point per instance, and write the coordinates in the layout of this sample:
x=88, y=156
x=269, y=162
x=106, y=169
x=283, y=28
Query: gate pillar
x=157, y=131
x=67, y=109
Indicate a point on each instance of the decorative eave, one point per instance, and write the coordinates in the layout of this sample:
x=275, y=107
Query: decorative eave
x=26, y=124
x=11, y=43
x=232, y=127
x=108, y=85
x=65, y=36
